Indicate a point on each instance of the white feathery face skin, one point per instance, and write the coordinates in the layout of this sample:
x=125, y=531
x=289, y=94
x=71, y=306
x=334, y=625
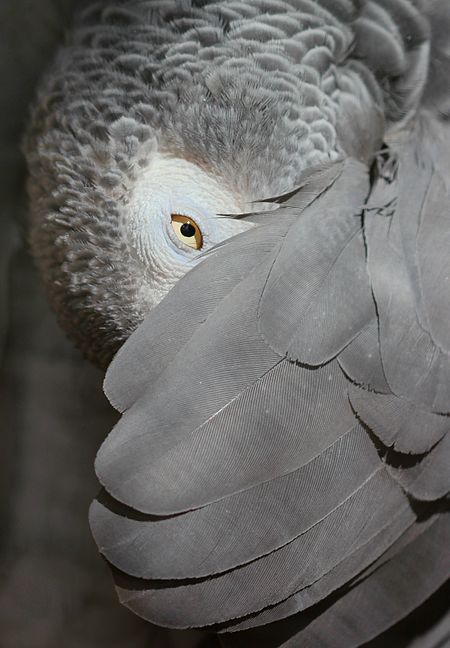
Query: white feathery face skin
x=171, y=190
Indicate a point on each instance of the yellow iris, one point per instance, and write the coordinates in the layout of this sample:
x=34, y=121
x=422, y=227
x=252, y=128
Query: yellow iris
x=187, y=231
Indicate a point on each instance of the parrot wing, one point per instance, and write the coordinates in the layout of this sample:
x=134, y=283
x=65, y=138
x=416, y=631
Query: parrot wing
x=283, y=440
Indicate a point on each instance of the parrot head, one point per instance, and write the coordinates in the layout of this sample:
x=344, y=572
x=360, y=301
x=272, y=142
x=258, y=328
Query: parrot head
x=140, y=165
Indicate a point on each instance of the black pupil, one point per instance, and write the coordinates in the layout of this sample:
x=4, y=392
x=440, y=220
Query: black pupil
x=187, y=229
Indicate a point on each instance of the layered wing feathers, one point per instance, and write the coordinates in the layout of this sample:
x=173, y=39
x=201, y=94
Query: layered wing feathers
x=283, y=453
x=245, y=432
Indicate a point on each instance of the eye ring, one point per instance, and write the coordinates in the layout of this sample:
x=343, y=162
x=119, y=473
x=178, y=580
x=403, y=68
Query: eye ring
x=187, y=231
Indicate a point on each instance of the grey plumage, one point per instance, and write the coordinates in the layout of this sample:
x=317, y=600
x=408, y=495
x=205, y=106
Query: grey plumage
x=398, y=422
x=211, y=547
x=276, y=576
x=347, y=570
x=282, y=455
x=395, y=588
x=303, y=292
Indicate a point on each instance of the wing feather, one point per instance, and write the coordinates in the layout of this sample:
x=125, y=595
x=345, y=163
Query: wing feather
x=361, y=360
x=273, y=578
x=428, y=479
x=398, y=422
x=348, y=570
x=263, y=518
x=227, y=449
x=392, y=590
x=305, y=292
x=423, y=375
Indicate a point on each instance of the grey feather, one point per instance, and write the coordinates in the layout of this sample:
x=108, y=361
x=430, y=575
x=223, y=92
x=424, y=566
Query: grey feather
x=397, y=287
x=304, y=292
x=414, y=568
x=433, y=238
x=228, y=449
x=345, y=571
x=273, y=578
x=361, y=360
x=262, y=518
x=393, y=591
x=348, y=570
x=145, y=444
x=429, y=479
x=398, y=422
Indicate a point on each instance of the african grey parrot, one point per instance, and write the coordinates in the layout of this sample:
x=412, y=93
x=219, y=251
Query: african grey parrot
x=255, y=197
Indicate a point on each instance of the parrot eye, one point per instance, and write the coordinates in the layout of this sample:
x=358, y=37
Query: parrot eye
x=187, y=231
